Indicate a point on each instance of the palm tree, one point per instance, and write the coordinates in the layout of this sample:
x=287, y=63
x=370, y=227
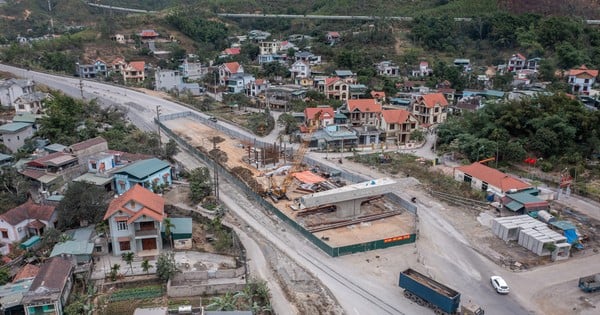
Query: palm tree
x=169, y=226
x=222, y=303
x=146, y=266
x=128, y=258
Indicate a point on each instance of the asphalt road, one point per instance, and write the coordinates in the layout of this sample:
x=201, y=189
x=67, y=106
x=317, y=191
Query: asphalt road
x=441, y=249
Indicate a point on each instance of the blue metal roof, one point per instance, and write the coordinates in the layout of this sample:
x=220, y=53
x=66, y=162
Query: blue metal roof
x=13, y=127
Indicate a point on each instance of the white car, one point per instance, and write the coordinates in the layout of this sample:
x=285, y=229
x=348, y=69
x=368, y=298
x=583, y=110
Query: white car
x=499, y=284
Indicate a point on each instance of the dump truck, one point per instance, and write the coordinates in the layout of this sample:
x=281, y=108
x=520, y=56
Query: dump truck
x=590, y=283
x=427, y=292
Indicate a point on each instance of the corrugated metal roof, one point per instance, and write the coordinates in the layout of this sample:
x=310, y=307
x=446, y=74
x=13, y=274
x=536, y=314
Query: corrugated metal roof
x=143, y=168
x=514, y=206
x=181, y=226
x=13, y=127
x=73, y=248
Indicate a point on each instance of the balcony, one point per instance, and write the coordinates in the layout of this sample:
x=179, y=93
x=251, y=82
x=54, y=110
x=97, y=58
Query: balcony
x=146, y=233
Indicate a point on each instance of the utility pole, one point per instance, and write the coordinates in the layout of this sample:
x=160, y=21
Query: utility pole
x=158, y=124
x=215, y=169
x=81, y=88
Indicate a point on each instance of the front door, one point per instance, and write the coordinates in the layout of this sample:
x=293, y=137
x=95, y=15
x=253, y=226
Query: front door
x=148, y=243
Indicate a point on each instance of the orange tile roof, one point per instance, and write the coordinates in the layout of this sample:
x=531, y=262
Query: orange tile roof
x=364, y=105
x=583, y=70
x=493, y=177
x=310, y=112
x=518, y=56
x=397, y=116
x=27, y=272
x=118, y=60
x=329, y=81
x=148, y=33
x=378, y=94
x=232, y=66
x=28, y=210
x=232, y=51
x=154, y=205
x=138, y=65
x=432, y=99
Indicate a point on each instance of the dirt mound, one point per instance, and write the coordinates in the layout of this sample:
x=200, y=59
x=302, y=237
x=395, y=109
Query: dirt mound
x=247, y=177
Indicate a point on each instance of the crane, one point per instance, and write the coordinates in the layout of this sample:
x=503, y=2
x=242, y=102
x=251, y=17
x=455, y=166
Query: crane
x=279, y=192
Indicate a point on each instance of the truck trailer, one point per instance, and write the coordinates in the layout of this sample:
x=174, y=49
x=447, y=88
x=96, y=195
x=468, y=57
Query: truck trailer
x=427, y=292
x=590, y=283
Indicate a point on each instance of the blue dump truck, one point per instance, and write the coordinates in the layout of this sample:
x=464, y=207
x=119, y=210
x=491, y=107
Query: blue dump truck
x=590, y=283
x=429, y=293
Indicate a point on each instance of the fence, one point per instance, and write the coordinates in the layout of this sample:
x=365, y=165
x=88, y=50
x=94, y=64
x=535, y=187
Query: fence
x=332, y=251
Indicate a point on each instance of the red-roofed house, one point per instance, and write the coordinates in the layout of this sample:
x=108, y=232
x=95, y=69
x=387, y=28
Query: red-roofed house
x=516, y=62
x=232, y=51
x=378, y=95
x=118, y=65
x=314, y=115
x=228, y=69
x=398, y=125
x=135, y=219
x=148, y=34
x=364, y=112
x=28, y=271
x=332, y=37
x=431, y=109
x=24, y=221
x=582, y=79
x=337, y=88
x=483, y=177
x=134, y=72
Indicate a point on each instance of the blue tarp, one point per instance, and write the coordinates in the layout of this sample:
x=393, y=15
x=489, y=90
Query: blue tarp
x=30, y=242
x=572, y=238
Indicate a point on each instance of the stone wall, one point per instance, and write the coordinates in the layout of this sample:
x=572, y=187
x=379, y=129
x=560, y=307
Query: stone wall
x=194, y=283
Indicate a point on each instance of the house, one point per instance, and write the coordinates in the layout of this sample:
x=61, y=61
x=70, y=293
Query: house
x=430, y=109
x=258, y=35
x=24, y=221
x=516, y=62
x=300, y=70
x=118, y=65
x=82, y=150
x=167, y=80
x=148, y=35
x=149, y=173
x=135, y=220
x=467, y=104
x=533, y=63
x=269, y=47
x=96, y=68
x=14, y=135
x=423, y=70
x=320, y=116
x=378, y=95
x=483, y=177
x=12, y=89
x=31, y=103
x=228, y=52
x=332, y=37
x=338, y=88
x=134, y=72
x=581, y=79
x=49, y=171
x=5, y=160
x=228, y=69
x=80, y=245
x=397, y=125
x=181, y=232
x=51, y=287
x=27, y=272
x=272, y=58
x=278, y=96
x=387, y=69
x=238, y=82
x=257, y=87
x=192, y=70
x=363, y=112
x=285, y=46
x=119, y=38
x=307, y=57
x=524, y=202
x=464, y=64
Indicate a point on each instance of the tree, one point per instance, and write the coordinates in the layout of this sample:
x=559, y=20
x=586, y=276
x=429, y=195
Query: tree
x=165, y=266
x=417, y=135
x=128, y=258
x=4, y=275
x=14, y=189
x=171, y=148
x=200, y=184
x=169, y=226
x=114, y=271
x=289, y=122
x=76, y=307
x=146, y=266
x=82, y=202
x=225, y=302
x=63, y=115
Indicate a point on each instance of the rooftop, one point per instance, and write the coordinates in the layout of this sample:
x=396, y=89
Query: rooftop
x=14, y=127
x=143, y=168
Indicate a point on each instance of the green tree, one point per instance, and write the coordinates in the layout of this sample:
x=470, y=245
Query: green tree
x=417, y=135
x=171, y=149
x=289, y=122
x=165, y=266
x=146, y=266
x=226, y=302
x=128, y=258
x=14, y=189
x=200, y=184
x=76, y=307
x=82, y=201
x=4, y=275
x=114, y=271
x=63, y=115
x=169, y=226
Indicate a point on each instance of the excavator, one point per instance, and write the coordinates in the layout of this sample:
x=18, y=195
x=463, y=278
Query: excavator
x=280, y=192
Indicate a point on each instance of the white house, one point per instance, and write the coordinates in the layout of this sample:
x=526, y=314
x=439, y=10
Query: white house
x=23, y=221
x=31, y=103
x=237, y=83
x=11, y=89
x=14, y=134
x=167, y=80
x=257, y=87
x=300, y=70
x=228, y=69
x=192, y=70
x=135, y=220
x=388, y=69
x=516, y=62
x=582, y=79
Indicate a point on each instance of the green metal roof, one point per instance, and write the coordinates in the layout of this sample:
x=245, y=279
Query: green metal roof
x=56, y=198
x=73, y=248
x=524, y=197
x=93, y=179
x=181, y=226
x=144, y=168
x=30, y=242
x=514, y=206
x=24, y=117
x=564, y=225
x=13, y=127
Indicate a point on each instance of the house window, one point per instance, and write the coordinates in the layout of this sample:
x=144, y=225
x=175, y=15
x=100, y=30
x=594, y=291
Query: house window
x=392, y=126
x=21, y=106
x=93, y=164
x=4, y=233
x=122, y=225
x=98, y=249
x=18, y=138
x=126, y=245
x=484, y=186
x=468, y=178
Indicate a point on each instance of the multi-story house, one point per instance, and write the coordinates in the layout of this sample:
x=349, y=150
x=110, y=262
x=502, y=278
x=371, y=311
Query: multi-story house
x=300, y=70
x=338, y=88
x=135, y=219
x=307, y=57
x=430, y=109
x=397, y=125
x=150, y=173
x=363, y=112
x=96, y=68
x=192, y=70
x=118, y=65
x=238, y=82
x=257, y=87
x=51, y=287
x=228, y=69
x=423, y=70
x=12, y=89
x=269, y=47
x=31, y=103
x=388, y=69
x=581, y=79
x=323, y=116
x=134, y=72
x=14, y=134
x=24, y=221
x=167, y=80
x=516, y=62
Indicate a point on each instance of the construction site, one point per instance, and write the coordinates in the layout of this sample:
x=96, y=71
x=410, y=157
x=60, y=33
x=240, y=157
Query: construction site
x=340, y=214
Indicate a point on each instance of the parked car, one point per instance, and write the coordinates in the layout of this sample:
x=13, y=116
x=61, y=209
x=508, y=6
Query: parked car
x=499, y=285
x=212, y=118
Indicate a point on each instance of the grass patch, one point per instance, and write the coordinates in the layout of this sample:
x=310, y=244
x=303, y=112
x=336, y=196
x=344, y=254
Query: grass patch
x=146, y=292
